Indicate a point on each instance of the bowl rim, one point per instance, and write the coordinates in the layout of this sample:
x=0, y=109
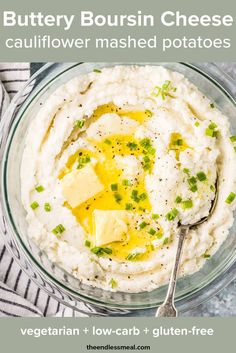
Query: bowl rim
x=10, y=219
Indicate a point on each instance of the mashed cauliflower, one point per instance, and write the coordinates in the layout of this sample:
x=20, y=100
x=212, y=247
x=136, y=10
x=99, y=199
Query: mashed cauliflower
x=121, y=158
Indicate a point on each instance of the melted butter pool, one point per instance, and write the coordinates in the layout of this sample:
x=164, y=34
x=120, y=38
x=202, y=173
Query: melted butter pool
x=120, y=192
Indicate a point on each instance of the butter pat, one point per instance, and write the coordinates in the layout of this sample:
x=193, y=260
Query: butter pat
x=110, y=226
x=80, y=185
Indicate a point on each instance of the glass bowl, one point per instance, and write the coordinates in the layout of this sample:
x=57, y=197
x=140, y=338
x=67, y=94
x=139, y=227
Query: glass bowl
x=191, y=290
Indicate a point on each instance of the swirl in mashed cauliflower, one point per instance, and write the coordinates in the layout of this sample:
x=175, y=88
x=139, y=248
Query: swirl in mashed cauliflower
x=121, y=157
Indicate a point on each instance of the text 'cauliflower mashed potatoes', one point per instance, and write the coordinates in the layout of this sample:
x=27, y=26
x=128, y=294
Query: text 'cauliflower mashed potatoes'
x=120, y=157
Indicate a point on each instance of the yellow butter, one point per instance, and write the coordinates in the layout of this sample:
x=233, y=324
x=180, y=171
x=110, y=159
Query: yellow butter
x=110, y=226
x=80, y=185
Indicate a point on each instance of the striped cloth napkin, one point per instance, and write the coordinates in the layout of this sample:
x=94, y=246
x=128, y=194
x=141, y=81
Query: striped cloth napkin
x=19, y=296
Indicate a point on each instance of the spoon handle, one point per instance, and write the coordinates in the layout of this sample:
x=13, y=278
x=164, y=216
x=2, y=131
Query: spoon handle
x=168, y=308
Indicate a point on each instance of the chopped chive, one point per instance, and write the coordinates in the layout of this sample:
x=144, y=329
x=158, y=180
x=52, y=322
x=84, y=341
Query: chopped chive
x=143, y=196
x=87, y=159
x=146, y=143
x=212, y=126
x=128, y=206
x=192, y=181
x=82, y=160
x=193, y=188
x=197, y=123
x=230, y=198
x=186, y=171
x=97, y=250
x=132, y=145
x=87, y=243
x=201, y=176
x=146, y=159
x=39, y=188
x=166, y=84
x=143, y=225
x=34, y=205
x=160, y=90
x=114, y=187
x=159, y=235
x=47, y=207
x=147, y=166
x=152, y=247
x=163, y=90
x=107, y=141
x=132, y=257
x=79, y=123
x=134, y=196
x=170, y=216
x=233, y=138
x=206, y=256
x=178, y=142
x=97, y=71
x=187, y=204
x=165, y=241
x=126, y=182
x=113, y=283
x=152, y=231
x=212, y=188
x=156, y=91
x=212, y=105
x=149, y=113
x=192, y=184
x=211, y=130
x=155, y=216
x=118, y=197
x=211, y=133
x=151, y=151
x=234, y=148
x=107, y=250
x=58, y=229
x=178, y=199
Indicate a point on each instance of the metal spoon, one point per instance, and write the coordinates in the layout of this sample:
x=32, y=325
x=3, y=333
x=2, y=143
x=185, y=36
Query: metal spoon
x=168, y=309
